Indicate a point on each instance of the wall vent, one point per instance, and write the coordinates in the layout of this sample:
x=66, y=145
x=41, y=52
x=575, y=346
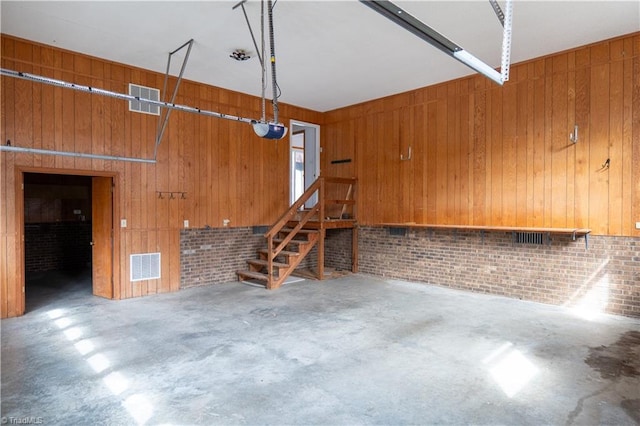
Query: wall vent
x=145, y=266
x=260, y=229
x=535, y=238
x=398, y=232
x=146, y=93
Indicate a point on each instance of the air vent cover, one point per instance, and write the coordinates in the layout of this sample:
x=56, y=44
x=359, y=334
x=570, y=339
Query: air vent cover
x=145, y=266
x=536, y=238
x=399, y=232
x=145, y=93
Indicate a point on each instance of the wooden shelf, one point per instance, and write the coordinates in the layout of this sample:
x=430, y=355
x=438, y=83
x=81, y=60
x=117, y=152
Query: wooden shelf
x=574, y=232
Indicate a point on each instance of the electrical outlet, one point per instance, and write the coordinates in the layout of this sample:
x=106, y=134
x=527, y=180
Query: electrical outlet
x=225, y=222
x=186, y=223
x=77, y=211
x=123, y=223
x=637, y=225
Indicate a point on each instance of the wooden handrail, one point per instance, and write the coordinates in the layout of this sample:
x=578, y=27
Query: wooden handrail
x=282, y=220
x=295, y=230
x=340, y=180
x=318, y=209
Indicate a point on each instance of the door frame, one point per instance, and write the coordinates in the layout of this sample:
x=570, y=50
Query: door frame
x=316, y=151
x=19, y=208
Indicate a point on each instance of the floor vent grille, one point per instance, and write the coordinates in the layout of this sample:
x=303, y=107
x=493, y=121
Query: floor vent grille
x=145, y=266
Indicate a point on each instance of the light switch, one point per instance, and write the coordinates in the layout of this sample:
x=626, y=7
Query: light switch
x=123, y=223
x=637, y=225
x=186, y=223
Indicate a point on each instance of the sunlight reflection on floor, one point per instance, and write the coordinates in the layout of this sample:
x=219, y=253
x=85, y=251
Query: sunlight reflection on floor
x=137, y=405
x=511, y=370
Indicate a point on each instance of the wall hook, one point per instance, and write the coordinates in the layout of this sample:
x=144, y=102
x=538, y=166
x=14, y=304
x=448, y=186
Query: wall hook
x=573, y=137
x=160, y=195
x=402, y=157
x=606, y=164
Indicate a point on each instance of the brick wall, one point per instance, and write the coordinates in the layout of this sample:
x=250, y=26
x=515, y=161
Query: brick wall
x=605, y=276
x=212, y=256
x=61, y=246
x=337, y=253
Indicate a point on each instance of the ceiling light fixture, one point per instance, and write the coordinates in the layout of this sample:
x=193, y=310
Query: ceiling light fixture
x=240, y=55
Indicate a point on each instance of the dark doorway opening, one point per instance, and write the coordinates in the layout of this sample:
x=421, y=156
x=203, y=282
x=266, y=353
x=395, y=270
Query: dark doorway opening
x=58, y=235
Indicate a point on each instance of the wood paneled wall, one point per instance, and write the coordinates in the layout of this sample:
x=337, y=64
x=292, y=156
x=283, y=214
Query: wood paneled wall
x=501, y=156
x=480, y=154
x=225, y=170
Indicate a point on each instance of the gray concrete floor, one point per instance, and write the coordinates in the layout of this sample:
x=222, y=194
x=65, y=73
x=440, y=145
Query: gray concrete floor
x=354, y=350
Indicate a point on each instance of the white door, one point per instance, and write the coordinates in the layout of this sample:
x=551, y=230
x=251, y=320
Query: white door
x=304, y=164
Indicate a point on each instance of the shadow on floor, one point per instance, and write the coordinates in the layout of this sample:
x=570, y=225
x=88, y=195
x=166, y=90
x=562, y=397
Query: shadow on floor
x=52, y=288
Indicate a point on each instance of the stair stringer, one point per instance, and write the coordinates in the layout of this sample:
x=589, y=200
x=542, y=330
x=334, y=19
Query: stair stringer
x=303, y=250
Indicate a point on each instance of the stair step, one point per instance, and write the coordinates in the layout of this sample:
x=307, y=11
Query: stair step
x=253, y=275
x=294, y=241
x=264, y=263
x=285, y=253
x=301, y=231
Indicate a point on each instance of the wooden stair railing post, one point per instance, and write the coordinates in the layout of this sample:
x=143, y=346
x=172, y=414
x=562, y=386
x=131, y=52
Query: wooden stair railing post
x=348, y=198
x=354, y=230
x=321, y=200
x=270, y=257
x=354, y=249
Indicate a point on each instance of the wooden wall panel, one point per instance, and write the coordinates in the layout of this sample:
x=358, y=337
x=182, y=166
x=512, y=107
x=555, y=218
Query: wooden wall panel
x=509, y=155
x=225, y=170
x=599, y=150
x=627, y=143
x=560, y=142
x=416, y=166
x=635, y=135
x=510, y=146
x=481, y=154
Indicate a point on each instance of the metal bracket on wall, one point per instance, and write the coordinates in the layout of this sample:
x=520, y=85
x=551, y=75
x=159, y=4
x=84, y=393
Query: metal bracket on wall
x=162, y=121
x=586, y=239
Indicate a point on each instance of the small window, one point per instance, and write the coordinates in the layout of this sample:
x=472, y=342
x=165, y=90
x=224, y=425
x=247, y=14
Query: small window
x=144, y=93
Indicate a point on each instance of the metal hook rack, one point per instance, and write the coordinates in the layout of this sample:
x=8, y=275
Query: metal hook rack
x=172, y=194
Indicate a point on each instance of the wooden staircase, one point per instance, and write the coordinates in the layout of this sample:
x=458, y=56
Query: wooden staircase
x=298, y=230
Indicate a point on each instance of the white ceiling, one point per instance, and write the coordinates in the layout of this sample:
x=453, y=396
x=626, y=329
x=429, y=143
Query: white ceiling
x=330, y=54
